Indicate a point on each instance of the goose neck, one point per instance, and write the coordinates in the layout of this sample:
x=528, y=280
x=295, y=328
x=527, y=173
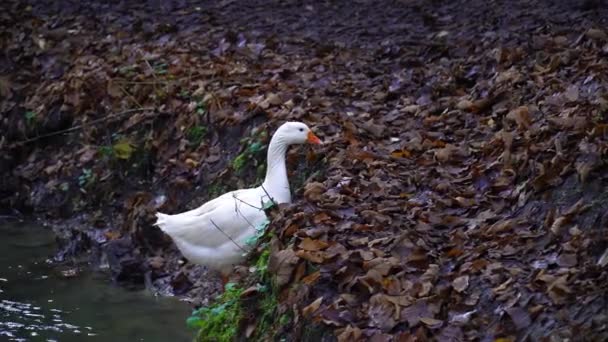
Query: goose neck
x=276, y=182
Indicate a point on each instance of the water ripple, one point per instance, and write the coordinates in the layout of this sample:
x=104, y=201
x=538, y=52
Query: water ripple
x=22, y=320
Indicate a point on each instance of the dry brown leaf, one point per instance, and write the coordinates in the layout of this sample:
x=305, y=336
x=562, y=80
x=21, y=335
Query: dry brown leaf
x=559, y=289
x=464, y=105
x=311, y=278
x=87, y=154
x=382, y=313
x=596, y=34
x=321, y=218
x=446, y=153
x=308, y=310
x=350, y=334
x=431, y=322
x=403, y=153
x=461, y=283
x=557, y=225
x=572, y=93
x=314, y=191
x=282, y=264
x=521, y=116
x=309, y=244
x=316, y=257
x=53, y=168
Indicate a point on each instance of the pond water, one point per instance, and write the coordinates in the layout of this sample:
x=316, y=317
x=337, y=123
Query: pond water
x=38, y=303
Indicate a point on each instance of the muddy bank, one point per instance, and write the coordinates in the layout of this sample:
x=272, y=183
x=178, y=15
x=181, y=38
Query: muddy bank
x=458, y=195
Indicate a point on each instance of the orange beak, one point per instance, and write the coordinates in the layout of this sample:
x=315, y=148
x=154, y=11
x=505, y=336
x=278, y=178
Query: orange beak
x=313, y=139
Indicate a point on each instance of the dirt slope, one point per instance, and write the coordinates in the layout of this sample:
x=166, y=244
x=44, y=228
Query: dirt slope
x=459, y=196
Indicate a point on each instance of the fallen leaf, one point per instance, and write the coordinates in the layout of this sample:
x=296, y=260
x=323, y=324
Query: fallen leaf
x=596, y=34
x=308, y=310
x=556, y=227
x=311, y=278
x=520, y=317
x=461, y=283
x=316, y=257
x=282, y=264
x=314, y=191
x=431, y=322
x=309, y=244
x=123, y=149
x=464, y=105
x=572, y=93
x=521, y=116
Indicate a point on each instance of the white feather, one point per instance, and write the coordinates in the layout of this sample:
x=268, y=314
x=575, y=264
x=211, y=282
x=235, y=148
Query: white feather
x=215, y=234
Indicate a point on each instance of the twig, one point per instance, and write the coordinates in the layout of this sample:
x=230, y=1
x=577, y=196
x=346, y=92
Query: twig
x=240, y=200
x=153, y=75
x=77, y=127
x=151, y=69
x=269, y=197
x=228, y=236
x=117, y=81
x=238, y=211
x=129, y=95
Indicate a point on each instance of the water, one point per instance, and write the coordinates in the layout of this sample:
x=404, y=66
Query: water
x=38, y=303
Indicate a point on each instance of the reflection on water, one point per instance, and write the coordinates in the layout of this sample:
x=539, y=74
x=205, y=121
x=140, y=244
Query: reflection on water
x=39, y=304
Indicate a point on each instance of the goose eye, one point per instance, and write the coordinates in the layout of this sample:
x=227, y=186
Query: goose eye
x=301, y=129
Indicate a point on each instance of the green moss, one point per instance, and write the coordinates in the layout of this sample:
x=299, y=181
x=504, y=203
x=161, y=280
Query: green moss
x=267, y=313
x=220, y=321
x=284, y=320
x=196, y=134
x=230, y=314
x=261, y=265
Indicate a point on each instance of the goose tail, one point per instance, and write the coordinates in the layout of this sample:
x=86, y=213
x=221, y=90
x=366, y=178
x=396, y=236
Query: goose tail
x=163, y=221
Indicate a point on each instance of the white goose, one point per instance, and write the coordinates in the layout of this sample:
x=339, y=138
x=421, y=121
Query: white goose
x=215, y=233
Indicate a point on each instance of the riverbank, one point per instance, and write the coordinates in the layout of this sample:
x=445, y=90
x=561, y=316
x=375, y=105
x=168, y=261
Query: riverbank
x=459, y=194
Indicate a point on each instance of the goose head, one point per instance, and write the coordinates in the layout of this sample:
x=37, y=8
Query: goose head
x=292, y=133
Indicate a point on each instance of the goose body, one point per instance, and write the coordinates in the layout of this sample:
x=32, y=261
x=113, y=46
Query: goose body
x=215, y=234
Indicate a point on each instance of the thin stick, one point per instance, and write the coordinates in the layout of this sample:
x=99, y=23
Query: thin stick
x=129, y=95
x=228, y=236
x=240, y=200
x=153, y=75
x=77, y=127
x=269, y=197
x=152, y=69
x=239, y=212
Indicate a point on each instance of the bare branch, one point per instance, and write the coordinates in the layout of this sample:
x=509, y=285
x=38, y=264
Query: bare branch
x=228, y=236
x=238, y=211
x=240, y=200
x=77, y=127
x=269, y=197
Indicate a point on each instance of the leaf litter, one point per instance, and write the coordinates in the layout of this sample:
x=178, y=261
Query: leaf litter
x=459, y=195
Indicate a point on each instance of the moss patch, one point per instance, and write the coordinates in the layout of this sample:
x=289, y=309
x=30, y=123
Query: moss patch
x=220, y=321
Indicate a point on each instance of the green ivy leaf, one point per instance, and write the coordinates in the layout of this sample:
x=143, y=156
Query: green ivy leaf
x=239, y=162
x=255, y=147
